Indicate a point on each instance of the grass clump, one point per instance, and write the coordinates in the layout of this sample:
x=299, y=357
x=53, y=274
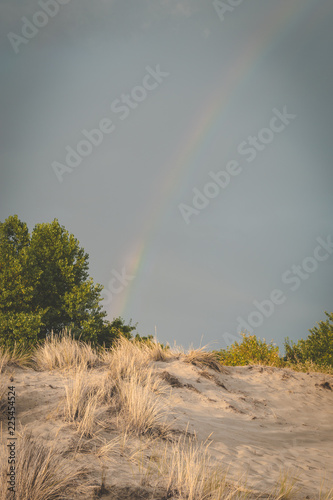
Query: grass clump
x=82, y=403
x=13, y=356
x=129, y=390
x=3, y=399
x=64, y=351
x=141, y=409
x=187, y=472
x=41, y=473
x=202, y=357
x=286, y=486
x=136, y=389
x=125, y=357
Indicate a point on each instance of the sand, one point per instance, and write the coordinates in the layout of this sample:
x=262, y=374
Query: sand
x=260, y=420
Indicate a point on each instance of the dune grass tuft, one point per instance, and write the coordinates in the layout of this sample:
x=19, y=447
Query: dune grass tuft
x=185, y=469
x=287, y=486
x=325, y=495
x=3, y=399
x=141, y=408
x=135, y=388
x=15, y=356
x=63, y=351
x=41, y=473
x=200, y=357
x=129, y=390
x=81, y=407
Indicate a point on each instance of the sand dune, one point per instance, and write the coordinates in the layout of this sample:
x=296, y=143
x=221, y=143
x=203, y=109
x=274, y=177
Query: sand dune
x=263, y=420
x=260, y=421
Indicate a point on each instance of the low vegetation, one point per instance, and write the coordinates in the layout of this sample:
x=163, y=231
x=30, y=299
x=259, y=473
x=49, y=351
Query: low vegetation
x=317, y=348
x=51, y=318
x=112, y=387
x=41, y=473
x=15, y=356
x=187, y=471
x=313, y=354
x=251, y=350
x=64, y=351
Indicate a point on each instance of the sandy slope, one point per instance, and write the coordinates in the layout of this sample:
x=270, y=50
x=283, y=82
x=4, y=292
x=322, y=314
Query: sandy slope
x=263, y=420
x=260, y=419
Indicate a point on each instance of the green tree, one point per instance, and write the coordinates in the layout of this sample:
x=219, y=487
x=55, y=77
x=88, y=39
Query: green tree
x=64, y=290
x=15, y=282
x=45, y=286
x=318, y=347
x=20, y=322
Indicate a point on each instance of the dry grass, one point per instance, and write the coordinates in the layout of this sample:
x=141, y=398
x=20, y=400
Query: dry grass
x=200, y=357
x=13, y=357
x=63, y=351
x=134, y=388
x=130, y=390
x=4, y=359
x=325, y=495
x=3, y=398
x=41, y=473
x=82, y=404
x=141, y=408
x=158, y=353
x=309, y=366
x=125, y=357
x=287, y=486
x=186, y=470
x=108, y=449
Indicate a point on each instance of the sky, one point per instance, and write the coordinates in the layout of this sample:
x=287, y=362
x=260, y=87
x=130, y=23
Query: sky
x=187, y=145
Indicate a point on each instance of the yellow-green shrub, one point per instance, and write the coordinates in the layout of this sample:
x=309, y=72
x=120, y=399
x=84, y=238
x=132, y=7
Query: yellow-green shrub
x=251, y=350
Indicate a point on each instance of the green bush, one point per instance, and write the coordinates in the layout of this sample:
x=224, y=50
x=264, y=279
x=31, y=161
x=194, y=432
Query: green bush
x=317, y=348
x=251, y=350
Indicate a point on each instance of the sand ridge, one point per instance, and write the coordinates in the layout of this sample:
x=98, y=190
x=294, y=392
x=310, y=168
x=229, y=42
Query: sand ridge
x=260, y=420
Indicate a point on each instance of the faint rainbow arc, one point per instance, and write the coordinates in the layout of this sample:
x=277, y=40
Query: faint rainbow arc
x=285, y=17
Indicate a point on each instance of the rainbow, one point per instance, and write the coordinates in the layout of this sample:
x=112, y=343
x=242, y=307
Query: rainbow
x=282, y=20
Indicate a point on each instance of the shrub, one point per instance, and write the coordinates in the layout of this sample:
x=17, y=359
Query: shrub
x=317, y=348
x=251, y=350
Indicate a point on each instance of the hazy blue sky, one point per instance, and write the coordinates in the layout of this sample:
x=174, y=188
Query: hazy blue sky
x=211, y=180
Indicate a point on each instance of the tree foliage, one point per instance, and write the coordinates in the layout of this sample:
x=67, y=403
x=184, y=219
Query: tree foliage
x=64, y=290
x=317, y=348
x=45, y=286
